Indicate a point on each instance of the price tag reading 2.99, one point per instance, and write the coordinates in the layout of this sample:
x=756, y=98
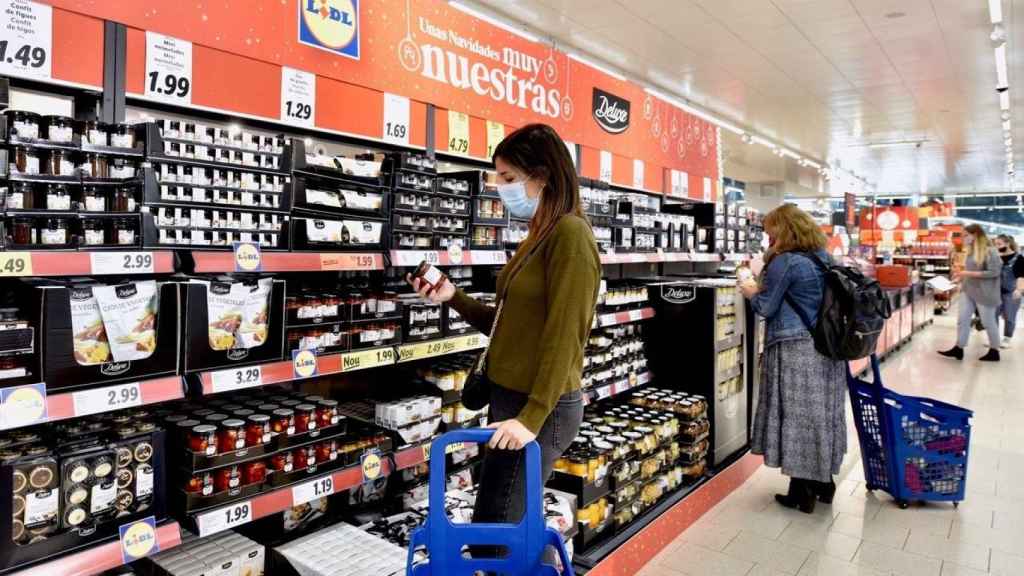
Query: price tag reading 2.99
x=107, y=399
x=168, y=69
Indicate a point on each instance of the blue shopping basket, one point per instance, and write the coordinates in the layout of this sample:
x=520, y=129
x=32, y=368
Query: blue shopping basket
x=446, y=542
x=913, y=448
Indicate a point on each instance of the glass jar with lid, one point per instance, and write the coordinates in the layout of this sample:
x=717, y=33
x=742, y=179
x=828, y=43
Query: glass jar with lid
x=93, y=233
x=94, y=199
x=23, y=231
x=126, y=230
x=53, y=231
x=21, y=196
x=124, y=199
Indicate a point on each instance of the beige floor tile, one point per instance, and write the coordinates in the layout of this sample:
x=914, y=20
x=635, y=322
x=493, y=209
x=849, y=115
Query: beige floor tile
x=710, y=536
x=1006, y=564
x=897, y=562
x=955, y=551
x=1007, y=541
x=950, y=569
x=764, y=570
x=820, y=538
x=820, y=565
x=763, y=524
x=771, y=553
x=871, y=530
x=928, y=518
x=694, y=560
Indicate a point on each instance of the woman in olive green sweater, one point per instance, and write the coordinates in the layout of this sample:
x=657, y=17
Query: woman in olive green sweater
x=548, y=291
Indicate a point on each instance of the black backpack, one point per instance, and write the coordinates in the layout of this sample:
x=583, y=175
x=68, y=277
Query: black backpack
x=853, y=312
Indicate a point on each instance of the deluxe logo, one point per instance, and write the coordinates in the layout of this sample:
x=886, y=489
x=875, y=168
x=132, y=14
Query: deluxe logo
x=237, y=353
x=610, y=112
x=126, y=291
x=115, y=368
x=331, y=25
x=679, y=294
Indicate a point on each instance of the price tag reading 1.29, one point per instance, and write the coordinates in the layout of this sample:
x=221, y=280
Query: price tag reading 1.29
x=107, y=399
x=237, y=378
x=223, y=519
x=298, y=97
x=168, y=69
x=311, y=490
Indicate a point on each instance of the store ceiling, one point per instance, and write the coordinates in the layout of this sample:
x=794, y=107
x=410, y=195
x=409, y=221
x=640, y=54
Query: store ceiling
x=825, y=77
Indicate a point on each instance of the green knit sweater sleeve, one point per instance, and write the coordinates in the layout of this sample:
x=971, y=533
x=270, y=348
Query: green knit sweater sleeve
x=478, y=314
x=572, y=276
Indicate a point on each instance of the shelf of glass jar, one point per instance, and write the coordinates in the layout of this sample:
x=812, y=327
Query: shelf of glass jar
x=618, y=387
x=102, y=557
x=86, y=402
x=658, y=257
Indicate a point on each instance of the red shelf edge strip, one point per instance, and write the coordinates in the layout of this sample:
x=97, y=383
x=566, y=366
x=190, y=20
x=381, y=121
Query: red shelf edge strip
x=100, y=558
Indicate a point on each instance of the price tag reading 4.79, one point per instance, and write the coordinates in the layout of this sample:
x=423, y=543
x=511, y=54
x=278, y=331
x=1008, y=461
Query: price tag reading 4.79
x=309, y=491
x=237, y=378
x=223, y=519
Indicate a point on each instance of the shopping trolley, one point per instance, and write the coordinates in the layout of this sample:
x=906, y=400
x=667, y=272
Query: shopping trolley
x=445, y=543
x=913, y=448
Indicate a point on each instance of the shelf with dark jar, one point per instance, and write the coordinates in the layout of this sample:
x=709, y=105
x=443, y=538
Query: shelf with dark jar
x=54, y=132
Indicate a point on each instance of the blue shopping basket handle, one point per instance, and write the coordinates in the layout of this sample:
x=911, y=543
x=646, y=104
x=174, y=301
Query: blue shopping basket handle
x=444, y=540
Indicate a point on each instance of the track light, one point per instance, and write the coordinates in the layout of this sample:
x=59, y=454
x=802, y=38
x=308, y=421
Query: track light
x=995, y=11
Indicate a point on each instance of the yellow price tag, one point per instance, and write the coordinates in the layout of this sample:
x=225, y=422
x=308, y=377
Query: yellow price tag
x=495, y=134
x=458, y=132
x=426, y=451
x=367, y=359
x=15, y=264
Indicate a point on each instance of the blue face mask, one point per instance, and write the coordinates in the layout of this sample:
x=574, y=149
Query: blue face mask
x=519, y=203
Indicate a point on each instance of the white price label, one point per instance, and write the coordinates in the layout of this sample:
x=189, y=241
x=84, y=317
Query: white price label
x=493, y=257
x=635, y=315
x=606, y=166
x=673, y=189
x=604, y=392
x=121, y=262
x=237, y=378
x=298, y=97
x=414, y=257
x=26, y=39
x=311, y=490
x=572, y=152
x=707, y=189
x=168, y=69
x=684, y=185
x=107, y=399
x=396, y=119
x=638, y=173
x=224, y=518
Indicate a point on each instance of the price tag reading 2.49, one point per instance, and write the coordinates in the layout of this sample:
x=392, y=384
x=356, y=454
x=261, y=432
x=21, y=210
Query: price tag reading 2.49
x=15, y=264
x=168, y=69
x=236, y=378
x=223, y=519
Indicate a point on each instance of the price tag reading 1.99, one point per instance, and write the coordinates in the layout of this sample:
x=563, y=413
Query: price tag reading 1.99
x=168, y=69
x=223, y=519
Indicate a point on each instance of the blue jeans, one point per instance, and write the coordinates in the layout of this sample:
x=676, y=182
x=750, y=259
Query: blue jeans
x=966, y=317
x=1009, y=310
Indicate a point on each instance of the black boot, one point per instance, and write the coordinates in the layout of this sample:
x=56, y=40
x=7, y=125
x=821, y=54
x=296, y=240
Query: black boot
x=800, y=496
x=825, y=491
x=954, y=352
x=992, y=356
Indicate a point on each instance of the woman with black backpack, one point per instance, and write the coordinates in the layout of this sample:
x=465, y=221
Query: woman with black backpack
x=800, y=423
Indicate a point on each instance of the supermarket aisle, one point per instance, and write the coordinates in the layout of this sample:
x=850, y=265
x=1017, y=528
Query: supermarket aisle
x=867, y=534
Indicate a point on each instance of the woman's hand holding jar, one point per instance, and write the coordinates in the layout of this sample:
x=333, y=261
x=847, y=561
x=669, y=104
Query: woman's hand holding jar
x=442, y=292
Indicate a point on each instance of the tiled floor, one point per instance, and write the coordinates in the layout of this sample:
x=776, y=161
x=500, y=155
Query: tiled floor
x=864, y=534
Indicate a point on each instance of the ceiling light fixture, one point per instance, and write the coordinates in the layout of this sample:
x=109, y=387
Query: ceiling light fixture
x=747, y=139
x=812, y=164
x=995, y=11
x=584, y=60
x=1002, y=82
x=500, y=23
x=896, y=143
x=1004, y=115
x=1004, y=100
x=678, y=103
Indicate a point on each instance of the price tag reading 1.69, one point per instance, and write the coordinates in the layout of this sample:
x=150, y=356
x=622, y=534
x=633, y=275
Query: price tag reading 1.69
x=223, y=519
x=237, y=378
x=311, y=490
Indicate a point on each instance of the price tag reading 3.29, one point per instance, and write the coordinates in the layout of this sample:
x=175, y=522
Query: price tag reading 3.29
x=236, y=378
x=223, y=519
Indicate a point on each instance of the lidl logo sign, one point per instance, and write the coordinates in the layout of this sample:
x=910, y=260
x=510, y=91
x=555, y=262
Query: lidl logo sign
x=331, y=25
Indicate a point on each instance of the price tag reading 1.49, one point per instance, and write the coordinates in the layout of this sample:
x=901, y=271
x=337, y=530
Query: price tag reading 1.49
x=237, y=378
x=311, y=490
x=107, y=399
x=26, y=39
x=223, y=519
x=15, y=264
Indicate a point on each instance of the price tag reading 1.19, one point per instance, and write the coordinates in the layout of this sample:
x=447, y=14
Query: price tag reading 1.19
x=107, y=399
x=168, y=69
x=26, y=39
x=223, y=519
x=311, y=490
x=237, y=378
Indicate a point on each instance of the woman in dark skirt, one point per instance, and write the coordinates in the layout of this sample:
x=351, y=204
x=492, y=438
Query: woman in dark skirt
x=800, y=423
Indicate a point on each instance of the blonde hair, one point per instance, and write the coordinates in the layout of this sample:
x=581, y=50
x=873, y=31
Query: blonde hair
x=793, y=230
x=979, y=251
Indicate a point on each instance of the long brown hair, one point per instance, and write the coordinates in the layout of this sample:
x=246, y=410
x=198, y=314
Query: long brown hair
x=793, y=230
x=1009, y=241
x=981, y=243
x=538, y=151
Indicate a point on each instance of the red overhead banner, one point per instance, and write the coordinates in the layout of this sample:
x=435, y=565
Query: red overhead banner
x=425, y=50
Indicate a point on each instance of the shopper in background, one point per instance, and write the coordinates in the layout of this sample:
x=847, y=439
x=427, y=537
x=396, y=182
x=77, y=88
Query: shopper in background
x=979, y=283
x=1011, y=285
x=549, y=290
x=800, y=423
